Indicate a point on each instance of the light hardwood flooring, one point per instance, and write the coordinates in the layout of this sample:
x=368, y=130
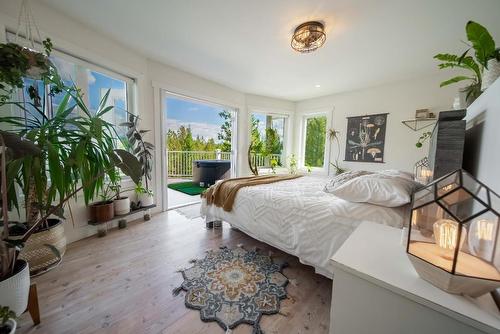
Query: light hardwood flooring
x=123, y=283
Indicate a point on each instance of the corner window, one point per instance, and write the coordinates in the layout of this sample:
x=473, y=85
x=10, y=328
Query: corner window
x=268, y=139
x=314, y=145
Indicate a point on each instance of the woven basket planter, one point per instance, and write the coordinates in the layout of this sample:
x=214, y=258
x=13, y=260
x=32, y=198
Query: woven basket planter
x=40, y=257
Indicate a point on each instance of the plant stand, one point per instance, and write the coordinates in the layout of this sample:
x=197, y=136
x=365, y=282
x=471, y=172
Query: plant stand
x=33, y=307
x=102, y=228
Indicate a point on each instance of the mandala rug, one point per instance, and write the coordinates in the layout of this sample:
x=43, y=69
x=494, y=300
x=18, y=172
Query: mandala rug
x=234, y=286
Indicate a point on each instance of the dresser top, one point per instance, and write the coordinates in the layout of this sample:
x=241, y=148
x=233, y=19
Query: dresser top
x=374, y=252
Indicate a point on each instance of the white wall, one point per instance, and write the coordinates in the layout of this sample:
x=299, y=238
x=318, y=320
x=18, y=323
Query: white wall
x=80, y=40
x=399, y=99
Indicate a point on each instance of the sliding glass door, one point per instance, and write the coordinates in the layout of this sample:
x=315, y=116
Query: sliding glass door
x=199, y=146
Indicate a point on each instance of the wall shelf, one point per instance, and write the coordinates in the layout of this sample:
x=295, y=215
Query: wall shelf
x=418, y=124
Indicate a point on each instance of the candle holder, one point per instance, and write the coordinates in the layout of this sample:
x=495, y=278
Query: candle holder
x=422, y=171
x=454, y=235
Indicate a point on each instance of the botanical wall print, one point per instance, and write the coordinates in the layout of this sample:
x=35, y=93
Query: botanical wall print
x=366, y=138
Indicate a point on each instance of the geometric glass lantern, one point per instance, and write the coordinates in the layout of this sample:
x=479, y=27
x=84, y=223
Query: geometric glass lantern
x=454, y=235
x=422, y=172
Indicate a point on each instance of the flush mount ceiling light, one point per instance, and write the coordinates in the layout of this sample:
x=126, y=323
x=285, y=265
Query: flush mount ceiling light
x=308, y=36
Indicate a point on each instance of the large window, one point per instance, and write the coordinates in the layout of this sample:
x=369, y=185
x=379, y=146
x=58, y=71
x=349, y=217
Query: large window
x=93, y=81
x=315, y=141
x=268, y=139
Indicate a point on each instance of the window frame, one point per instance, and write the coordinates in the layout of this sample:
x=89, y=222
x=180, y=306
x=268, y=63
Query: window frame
x=326, y=158
x=131, y=83
x=286, y=129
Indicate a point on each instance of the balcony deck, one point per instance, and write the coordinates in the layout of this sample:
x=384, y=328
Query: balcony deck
x=177, y=198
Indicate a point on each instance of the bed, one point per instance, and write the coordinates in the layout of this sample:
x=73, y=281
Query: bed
x=298, y=217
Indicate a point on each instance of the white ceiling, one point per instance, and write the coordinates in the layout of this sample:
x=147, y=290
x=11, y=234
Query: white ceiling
x=245, y=44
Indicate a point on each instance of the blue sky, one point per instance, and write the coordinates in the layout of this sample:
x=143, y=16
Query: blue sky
x=203, y=119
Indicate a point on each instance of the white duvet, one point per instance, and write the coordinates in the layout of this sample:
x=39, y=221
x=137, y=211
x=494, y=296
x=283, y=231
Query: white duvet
x=298, y=217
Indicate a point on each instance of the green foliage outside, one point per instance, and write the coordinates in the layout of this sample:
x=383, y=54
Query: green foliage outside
x=315, y=142
x=182, y=139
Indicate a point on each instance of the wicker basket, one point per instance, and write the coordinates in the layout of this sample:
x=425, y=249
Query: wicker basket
x=40, y=257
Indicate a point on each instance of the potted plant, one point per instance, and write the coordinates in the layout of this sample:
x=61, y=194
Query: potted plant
x=75, y=150
x=121, y=203
x=14, y=272
x=333, y=135
x=143, y=150
x=144, y=196
x=103, y=210
x=7, y=320
x=482, y=69
x=19, y=62
x=486, y=52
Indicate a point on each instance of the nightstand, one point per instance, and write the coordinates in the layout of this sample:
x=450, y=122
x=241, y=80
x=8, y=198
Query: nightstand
x=376, y=290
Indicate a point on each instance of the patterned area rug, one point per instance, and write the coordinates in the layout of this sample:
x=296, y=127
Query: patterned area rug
x=234, y=286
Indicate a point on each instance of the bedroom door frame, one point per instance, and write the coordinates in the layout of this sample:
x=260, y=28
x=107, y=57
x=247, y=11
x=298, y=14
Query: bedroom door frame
x=164, y=94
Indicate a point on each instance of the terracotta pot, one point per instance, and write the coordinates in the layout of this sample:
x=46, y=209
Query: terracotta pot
x=40, y=257
x=101, y=212
x=14, y=290
x=122, y=206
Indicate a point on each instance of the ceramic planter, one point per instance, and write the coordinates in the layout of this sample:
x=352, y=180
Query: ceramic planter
x=14, y=290
x=101, y=212
x=122, y=206
x=491, y=74
x=10, y=326
x=40, y=257
x=145, y=199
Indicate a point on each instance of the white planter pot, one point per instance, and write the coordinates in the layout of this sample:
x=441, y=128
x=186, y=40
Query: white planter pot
x=490, y=74
x=122, y=206
x=145, y=199
x=11, y=324
x=14, y=290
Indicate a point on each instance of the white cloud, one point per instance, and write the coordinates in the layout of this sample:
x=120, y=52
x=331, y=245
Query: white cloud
x=90, y=77
x=198, y=129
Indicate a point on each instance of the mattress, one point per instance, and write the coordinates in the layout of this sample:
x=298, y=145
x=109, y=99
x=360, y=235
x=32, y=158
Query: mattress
x=298, y=217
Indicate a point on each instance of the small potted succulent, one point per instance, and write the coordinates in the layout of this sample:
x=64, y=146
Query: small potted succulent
x=7, y=320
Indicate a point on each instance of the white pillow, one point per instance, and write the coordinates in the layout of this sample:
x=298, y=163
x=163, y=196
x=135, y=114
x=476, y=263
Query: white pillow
x=379, y=188
x=345, y=177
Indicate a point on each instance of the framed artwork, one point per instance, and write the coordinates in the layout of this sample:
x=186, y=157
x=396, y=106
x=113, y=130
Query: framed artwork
x=365, y=138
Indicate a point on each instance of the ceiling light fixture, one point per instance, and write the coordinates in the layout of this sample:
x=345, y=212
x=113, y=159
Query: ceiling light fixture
x=308, y=36
x=317, y=86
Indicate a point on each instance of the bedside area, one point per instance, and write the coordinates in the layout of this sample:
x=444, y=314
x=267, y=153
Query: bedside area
x=376, y=290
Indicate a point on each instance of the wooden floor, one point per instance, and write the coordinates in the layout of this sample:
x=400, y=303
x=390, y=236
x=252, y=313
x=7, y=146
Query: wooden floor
x=123, y=283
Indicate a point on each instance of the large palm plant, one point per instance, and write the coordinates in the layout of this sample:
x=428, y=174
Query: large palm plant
x=77, y=148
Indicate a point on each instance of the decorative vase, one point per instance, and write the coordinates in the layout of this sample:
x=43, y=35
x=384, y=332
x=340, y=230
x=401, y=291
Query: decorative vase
x=491, y=73
x=122, y=206
x=146, y=199
x=40, y=257
x=14, y=291
x=101, y=212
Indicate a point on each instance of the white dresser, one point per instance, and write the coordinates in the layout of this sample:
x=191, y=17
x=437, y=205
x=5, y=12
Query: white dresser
x=377, y=291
